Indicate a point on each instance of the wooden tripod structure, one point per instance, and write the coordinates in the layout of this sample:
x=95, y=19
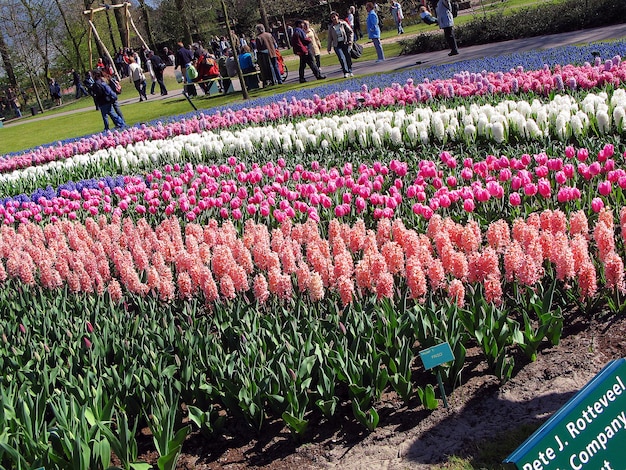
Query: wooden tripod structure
x=128, y=21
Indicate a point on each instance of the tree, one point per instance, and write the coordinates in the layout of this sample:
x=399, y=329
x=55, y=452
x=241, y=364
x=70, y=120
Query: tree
x=6, y=61
x=120, y=18
x=145, y=15
x=79, y=63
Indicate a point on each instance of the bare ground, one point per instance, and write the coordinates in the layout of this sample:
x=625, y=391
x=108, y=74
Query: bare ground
x=480, y=410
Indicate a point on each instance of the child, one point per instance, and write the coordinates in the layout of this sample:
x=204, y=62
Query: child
x=426, y=16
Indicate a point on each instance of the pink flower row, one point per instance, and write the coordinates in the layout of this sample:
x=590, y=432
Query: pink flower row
x=277, y=192
x=215, y=263
x=544, y=81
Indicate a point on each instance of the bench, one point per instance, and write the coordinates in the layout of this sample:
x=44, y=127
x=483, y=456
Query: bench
x=216, y=82
x=466, y=5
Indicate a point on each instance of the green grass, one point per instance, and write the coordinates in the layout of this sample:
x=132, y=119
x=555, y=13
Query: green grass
x=488, y=454
x=30, y=133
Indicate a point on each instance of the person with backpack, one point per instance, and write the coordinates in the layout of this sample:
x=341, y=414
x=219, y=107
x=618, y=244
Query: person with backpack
x=158, y=66
x=208, y=69
x=446, y=22
x=105, y=97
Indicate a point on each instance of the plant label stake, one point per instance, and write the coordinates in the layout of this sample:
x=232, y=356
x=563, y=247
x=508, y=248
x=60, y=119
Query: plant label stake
x=435, y=356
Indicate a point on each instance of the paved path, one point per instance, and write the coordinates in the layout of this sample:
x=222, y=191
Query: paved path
x=392, y=64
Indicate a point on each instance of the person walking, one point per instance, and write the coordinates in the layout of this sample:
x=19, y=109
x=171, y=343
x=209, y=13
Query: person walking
x=80, y=88
x=55, y=91
x=138, y=78
x=398, y=16
x=340, y=37
x=446, y=22
x=158, y=66
x=150, y=70
x=315, y=46
x=104, y=97
x=13, y=100
x=300, y=44
x=266, y=56
x=358, y=34
x=373, y=31
x=184, y=59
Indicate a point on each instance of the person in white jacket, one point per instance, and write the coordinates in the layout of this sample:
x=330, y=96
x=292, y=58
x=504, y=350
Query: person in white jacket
x=138, y=78
x=396, y=12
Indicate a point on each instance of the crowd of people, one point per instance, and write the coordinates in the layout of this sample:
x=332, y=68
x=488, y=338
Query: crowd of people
x=213, y=67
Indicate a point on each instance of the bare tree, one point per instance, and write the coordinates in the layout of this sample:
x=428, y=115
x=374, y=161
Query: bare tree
x=145, y=15
x=80, y=63
x=6, y=61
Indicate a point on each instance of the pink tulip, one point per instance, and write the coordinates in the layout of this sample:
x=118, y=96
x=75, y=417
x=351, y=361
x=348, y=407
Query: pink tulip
x=597, y=204
x=604, y=188
x=468, y=205
x=530, y=189
x=515, y=199
x=595, y=168
x=543, y=187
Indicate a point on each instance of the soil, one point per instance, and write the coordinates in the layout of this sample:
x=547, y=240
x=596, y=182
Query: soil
x=480, y=411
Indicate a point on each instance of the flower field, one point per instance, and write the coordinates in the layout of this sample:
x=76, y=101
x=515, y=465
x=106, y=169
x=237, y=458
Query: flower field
x=275, y=260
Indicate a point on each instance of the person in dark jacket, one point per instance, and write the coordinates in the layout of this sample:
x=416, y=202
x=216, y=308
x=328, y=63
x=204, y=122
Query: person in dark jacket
x=104, y=97
x=184, y=59
x=80, y=88
x=158, y=65
x=300, y=43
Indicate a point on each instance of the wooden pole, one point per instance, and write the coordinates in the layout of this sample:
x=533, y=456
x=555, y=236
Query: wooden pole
x=104, y=48
x=108, y=7
x=137, y=32
x=126, y=16
x=90, y=48
x=244, y=88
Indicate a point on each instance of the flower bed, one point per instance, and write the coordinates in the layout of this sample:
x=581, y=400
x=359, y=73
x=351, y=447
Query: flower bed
x=178, y=275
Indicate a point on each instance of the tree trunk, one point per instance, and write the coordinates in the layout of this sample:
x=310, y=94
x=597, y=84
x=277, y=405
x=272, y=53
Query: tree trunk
x=120, y=18
x=6, y=60
x=146, y=22
x=111, y=35
x=33, y=31
x=263, y=13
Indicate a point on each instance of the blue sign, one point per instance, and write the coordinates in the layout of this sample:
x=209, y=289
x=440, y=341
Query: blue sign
x=437, y=355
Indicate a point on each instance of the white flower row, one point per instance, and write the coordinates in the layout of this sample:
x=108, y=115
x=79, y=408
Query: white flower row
x=561, y=117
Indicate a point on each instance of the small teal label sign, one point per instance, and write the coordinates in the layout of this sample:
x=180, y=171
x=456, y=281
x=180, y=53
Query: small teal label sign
x=587, y=433
x=437, y=355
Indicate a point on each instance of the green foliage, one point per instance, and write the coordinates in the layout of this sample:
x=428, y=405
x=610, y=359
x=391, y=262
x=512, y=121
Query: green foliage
x=494, y=331
x=536, y=20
